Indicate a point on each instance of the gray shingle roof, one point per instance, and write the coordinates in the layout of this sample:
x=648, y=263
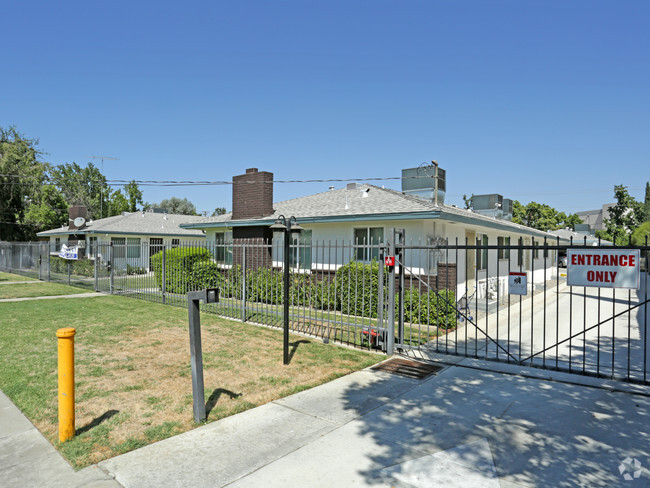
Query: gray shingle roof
x=365, y=202
x=145, y=223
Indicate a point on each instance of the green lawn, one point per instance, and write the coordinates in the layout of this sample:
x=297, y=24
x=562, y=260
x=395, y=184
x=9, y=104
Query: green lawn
x=30, y=289
x=8, y=277
x=132, y=368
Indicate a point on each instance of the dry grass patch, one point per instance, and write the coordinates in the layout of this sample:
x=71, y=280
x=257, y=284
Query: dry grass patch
x=134, y=379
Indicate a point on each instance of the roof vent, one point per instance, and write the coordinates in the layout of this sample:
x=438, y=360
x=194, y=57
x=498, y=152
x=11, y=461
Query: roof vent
x=351, y=186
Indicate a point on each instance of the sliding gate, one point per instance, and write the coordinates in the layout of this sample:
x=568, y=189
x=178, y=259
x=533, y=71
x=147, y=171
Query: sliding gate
x=457, y=298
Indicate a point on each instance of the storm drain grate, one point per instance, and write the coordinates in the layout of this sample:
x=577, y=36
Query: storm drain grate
x=410, y=369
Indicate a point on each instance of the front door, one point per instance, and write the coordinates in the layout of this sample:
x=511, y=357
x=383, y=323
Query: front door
x=155, y=246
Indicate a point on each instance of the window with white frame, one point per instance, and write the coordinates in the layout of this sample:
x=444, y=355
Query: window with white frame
x=119, y=247
x=92, y=247
x=504, y=252
x=300, y=256
x=223, y=247
x=367, y=240
x=133, y=248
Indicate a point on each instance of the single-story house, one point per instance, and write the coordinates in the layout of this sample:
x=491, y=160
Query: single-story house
x=363, y=214
x=135, y=235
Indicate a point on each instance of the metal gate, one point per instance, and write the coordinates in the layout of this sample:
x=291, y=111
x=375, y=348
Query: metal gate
x=469, y=312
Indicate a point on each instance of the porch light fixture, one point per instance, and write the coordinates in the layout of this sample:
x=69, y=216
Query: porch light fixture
x=289, y=226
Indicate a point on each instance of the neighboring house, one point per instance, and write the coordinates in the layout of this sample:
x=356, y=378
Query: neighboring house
x=579, y=238
x=135, y=235
x=595, y=219
x=364, y=214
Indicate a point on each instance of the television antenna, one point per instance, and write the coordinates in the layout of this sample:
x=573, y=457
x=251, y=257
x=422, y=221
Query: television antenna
x=101, y=188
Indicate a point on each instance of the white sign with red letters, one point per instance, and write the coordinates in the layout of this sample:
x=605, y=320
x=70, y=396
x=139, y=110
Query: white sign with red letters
x=606, y=268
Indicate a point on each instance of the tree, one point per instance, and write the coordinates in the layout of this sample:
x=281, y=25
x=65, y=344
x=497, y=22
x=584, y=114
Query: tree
x=541, y=216
x=21, y=175
x=117, y=204
x=48, y=210
x=218, y=211
x=468, y=202
x=646, y=206
x=624, y=216
x=175, y=205
x=83, y=186
x=133, y=195
x=641, y=235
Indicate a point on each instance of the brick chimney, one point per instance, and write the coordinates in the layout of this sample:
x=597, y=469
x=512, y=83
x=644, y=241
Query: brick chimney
x=74, y=213
x=252, y=194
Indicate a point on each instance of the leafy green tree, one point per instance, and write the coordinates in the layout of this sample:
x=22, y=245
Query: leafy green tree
x=117, y=204
x=467, y=201
x=48, y=210
x=83, y=186
x=541, y=216
x=176, y=205
x=21, y=175
x=133, y=195
x=218, y=211
x=641, y=234
x=624, y=216
x=646, y=206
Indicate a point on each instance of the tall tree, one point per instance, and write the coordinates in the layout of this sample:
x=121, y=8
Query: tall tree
x=541, y=216
x=83, y=186
x=21, y=175
x=176, y=205
x=48, y=210
x=218, y=211
x=624, y=216
x=133, y=195
x=117, y=204
x=646, y=206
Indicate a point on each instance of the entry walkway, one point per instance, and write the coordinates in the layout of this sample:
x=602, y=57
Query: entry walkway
x=468, y=426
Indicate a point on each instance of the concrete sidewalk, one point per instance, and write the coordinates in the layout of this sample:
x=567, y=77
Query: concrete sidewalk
x=54, y=297
x=467, y=426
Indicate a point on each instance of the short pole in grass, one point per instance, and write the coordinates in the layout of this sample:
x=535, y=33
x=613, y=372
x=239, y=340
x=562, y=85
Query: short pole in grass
x=209, y=295
x=65, y=342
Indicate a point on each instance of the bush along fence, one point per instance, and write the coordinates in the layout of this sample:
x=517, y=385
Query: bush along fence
x=333, y=293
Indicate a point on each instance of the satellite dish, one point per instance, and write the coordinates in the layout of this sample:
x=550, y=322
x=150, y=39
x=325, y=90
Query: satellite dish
x=79, y=221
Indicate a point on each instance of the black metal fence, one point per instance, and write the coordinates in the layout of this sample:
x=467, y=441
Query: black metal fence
x=418, y=299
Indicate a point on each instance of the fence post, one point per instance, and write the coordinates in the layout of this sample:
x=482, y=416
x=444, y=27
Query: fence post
x=399, y=251
x=96, y=270
x=164, y=273
x=243, y=282
x=112, y=266
x=390, y=318
x=380, y=294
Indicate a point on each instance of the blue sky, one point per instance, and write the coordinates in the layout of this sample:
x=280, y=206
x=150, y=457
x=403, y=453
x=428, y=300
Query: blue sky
x=539, y=101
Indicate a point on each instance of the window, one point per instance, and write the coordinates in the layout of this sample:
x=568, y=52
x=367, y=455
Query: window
x=482, y=253
x=133, y=247
x=57, y=244
x=119, y=247
x=92, y=246
x=223, y=247
x=300, y=256
x=176, y=243
x=368, y=240
x=504, y=253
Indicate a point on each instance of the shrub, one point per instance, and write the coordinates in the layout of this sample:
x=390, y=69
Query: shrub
x=81, y=267
x=179, y=264
x=430, y=308
x=135, y=270
x=357, y=288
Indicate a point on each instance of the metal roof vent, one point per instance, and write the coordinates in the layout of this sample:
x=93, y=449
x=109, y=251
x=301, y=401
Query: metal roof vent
x=427, y=181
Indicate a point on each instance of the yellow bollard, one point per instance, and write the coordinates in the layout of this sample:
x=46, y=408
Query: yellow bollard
x=66, y=383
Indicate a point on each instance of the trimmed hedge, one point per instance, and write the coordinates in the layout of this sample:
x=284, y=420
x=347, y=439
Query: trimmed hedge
x=354, y=291
x=81, y=267
x=179, y=267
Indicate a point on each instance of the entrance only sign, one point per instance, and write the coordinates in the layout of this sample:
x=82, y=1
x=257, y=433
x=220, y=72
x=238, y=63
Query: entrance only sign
x=605, y=268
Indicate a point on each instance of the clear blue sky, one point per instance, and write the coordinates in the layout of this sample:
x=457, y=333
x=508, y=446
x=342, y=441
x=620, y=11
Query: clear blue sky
x=537, y=100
